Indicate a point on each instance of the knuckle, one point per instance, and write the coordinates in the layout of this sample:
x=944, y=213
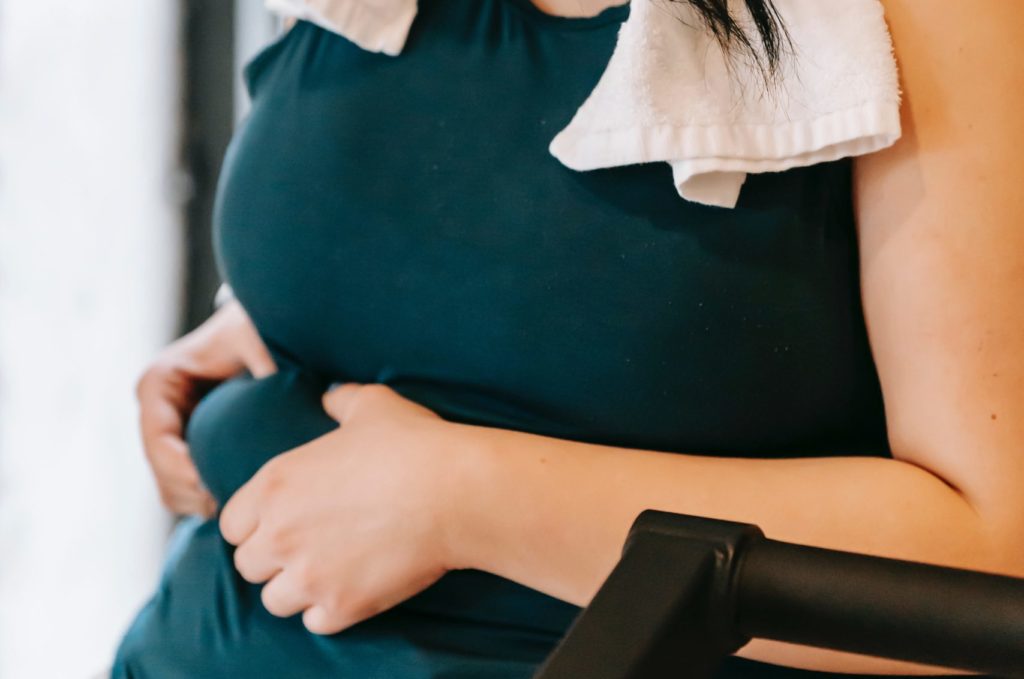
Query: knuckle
x=205, y=508
x=158, y=453
x=271, y=484
x=228, y=524
x=279, y=542
x=273, y=478
x=328, y=616
x=225, y=524
x=169, y=501
x=313, y=620
x=336, y=605
x=154, y=374
x=175, y=504
x=242, y=566
x=160, y=467
x=271, y=603
x=152, y=453
x=349, y=611
x=305, y=578
x=331, y=620
x=374, y=391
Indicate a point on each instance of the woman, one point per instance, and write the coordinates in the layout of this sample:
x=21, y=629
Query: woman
x=528, y=357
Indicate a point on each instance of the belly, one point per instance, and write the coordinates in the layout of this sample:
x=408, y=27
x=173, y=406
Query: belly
x=245, y=422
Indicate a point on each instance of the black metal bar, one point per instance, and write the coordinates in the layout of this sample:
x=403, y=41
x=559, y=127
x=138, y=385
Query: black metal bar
x=884, y=607
x=689, y=591
x=666, y=610
x=645, y=625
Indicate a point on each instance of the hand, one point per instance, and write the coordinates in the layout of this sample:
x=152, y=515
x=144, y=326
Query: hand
x=173, y=384
x=356, y=521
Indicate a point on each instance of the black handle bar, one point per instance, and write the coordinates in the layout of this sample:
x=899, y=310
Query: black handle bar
x=689, y=591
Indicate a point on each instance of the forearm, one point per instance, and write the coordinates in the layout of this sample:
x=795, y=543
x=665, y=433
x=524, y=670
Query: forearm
x=553, y=515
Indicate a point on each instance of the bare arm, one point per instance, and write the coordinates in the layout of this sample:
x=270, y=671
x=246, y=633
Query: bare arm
x=941, y=227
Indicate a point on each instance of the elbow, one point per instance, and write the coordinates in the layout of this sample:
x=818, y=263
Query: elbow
x=986, y=531
x=1001, y=534
x=1006, y=546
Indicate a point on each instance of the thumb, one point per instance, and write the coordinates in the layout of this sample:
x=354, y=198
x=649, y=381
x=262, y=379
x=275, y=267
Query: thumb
x=257, y=359
x=339, y=401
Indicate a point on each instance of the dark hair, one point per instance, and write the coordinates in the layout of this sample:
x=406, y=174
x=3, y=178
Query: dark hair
x=771, y=32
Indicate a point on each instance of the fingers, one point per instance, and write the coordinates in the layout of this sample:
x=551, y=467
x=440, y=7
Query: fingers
x=254, y=561
x=205, y=505
x=318, y=621
x=344, y=401
x=171, y=462
x=284, y=596
x=251, y=349
x=161, y=423
x=167, y=392
x=240, y=517
x=196, y=501
x=351, y=399
x=257, y=359
x=340, y=402
x=178, y=480
x=181, y=490
x=161, y=400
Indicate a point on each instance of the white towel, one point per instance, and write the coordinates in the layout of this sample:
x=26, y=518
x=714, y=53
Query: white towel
x=670, y=92
x=374, y=25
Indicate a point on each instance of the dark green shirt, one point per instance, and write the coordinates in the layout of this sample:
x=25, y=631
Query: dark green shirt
x=400, y=220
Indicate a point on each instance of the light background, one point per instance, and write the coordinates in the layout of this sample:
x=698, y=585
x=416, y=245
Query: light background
x=91, y=243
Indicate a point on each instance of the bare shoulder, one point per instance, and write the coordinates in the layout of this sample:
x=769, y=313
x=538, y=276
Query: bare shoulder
x=940, y=220
x=962, y=76
x=957, y=172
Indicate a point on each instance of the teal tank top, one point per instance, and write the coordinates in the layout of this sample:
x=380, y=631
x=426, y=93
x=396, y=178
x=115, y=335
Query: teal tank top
x=400, y=220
